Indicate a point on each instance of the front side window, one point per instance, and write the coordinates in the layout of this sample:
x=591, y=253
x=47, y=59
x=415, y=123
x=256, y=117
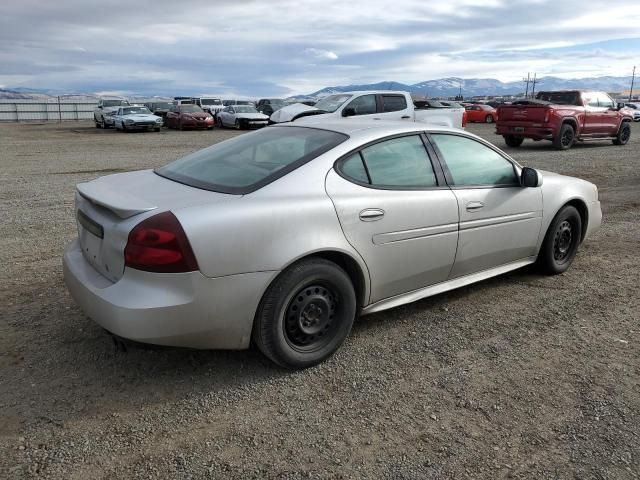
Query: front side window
x=333, y=102
x=393, y=103
x=396, y=163
x=605, y=101
x=472, y=163
x=245, y=163
x=364, y=105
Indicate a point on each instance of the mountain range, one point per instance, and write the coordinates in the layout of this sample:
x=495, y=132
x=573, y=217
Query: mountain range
x=451, y=86
x=442, y=87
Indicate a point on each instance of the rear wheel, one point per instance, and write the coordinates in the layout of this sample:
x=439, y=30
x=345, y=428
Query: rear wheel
x=565, y=138
x=624, y=134
x=513, y=141
x=306, y=314
x=157, y=129
x=488, y=119
x=561, y=241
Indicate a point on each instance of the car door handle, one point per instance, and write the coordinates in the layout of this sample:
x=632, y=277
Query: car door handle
x=473, y=206
x=371, y=214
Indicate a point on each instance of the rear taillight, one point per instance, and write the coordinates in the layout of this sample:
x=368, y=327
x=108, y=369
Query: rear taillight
x=464, y=118
x=158, y=244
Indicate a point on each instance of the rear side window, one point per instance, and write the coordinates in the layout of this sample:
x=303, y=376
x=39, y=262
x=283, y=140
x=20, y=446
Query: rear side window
x=248, y=162
x=470, y=163
x=396, y=163
x=393, y=103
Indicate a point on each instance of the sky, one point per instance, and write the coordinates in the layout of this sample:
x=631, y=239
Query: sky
x=285, y=47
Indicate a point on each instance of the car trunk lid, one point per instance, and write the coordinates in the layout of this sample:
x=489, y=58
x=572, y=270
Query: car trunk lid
x=109, y=207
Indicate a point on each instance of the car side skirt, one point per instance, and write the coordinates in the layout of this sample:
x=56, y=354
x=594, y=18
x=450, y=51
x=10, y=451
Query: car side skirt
x=442, y=287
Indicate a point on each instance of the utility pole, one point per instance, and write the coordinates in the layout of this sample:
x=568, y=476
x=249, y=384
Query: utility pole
x=533, y=90
x=633, y=77
x=528, y=79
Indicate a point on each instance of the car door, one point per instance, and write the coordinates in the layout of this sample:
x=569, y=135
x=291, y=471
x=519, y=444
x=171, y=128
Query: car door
x=397, y=212
x=610, y=115
x=362, y=106
x=594, y=119
x=500, y=220
x=394, y=106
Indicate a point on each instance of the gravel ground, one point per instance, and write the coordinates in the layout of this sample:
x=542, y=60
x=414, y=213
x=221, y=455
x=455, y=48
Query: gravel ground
x=521, y=376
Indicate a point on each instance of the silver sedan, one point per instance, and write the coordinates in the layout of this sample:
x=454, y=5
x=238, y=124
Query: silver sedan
x=282, y=236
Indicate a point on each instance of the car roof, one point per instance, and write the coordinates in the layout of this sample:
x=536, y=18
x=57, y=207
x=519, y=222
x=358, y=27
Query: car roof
x=367, y=92
x=369, y=127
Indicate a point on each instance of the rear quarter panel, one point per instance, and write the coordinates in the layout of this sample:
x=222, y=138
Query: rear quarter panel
x=271, y=228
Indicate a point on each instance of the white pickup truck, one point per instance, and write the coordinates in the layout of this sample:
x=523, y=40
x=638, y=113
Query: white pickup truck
x=106, y=109
x=377, y=104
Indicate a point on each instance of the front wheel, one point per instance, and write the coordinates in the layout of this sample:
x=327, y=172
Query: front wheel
x=561, y=241
x=624, y=134
x=237, y=125
x=488, y=119
x=306, y=314
x=513, y=141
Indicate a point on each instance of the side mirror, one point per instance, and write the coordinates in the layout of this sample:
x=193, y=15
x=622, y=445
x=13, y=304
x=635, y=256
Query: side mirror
x=349, y=112
x=529, y=177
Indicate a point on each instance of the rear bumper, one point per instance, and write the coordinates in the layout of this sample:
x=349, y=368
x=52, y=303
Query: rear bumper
x=525, y=131
x=184, y=310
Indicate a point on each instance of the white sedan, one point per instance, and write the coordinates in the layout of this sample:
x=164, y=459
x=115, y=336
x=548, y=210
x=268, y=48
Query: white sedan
x=130, y=118
x=242, y=116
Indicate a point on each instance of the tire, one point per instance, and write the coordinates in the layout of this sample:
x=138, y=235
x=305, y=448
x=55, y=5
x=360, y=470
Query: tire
x=488, y=119
x=513, y=141
x=124, y=127
x=624, y=134
x=180, y=125
x=237, y=125
x=157, y=129
x=561, y=241
x=305, y=314
x=566, y=137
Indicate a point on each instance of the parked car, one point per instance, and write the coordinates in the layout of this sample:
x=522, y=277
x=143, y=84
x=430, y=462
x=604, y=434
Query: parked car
x=269, y=105
x=285, y=234
x=635, y=110
x=380, y=105
x=481, y=113
x=242, y=116
x=159, y=108
x=188, y=116
x=564, y=117
x=136, y=118
x=448, y=103
x=103, y=114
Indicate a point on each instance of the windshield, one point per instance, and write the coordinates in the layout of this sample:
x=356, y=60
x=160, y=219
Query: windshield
x=114, y=103
x=245, y=109
x=135, y=110
x=210, y=101
x=560, y=98
x=162, y=105
x=333, y=102
x=190, y=108
x=248, y=162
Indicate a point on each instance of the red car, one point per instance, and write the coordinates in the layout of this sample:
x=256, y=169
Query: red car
x=188, y=116
x=481, y=113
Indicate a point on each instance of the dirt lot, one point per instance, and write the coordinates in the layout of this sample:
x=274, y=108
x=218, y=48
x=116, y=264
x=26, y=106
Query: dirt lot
x=522, y=376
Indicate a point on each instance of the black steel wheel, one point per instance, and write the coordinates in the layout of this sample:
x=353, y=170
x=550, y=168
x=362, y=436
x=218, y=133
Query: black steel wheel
x=565, y=138
x=561, y=241
x=306, y=314
x=624, y=134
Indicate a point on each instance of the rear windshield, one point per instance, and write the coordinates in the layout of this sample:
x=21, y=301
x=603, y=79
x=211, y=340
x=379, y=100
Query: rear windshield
x=210, y=101
x=248, y=162
x=560, y=98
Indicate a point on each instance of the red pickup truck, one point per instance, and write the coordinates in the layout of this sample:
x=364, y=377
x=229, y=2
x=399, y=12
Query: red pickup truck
x=564, y=117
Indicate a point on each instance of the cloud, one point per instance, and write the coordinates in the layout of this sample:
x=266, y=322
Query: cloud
x=285, y=46
x=320, y=54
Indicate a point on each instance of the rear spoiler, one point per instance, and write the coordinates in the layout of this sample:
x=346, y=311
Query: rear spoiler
x=120, y=203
